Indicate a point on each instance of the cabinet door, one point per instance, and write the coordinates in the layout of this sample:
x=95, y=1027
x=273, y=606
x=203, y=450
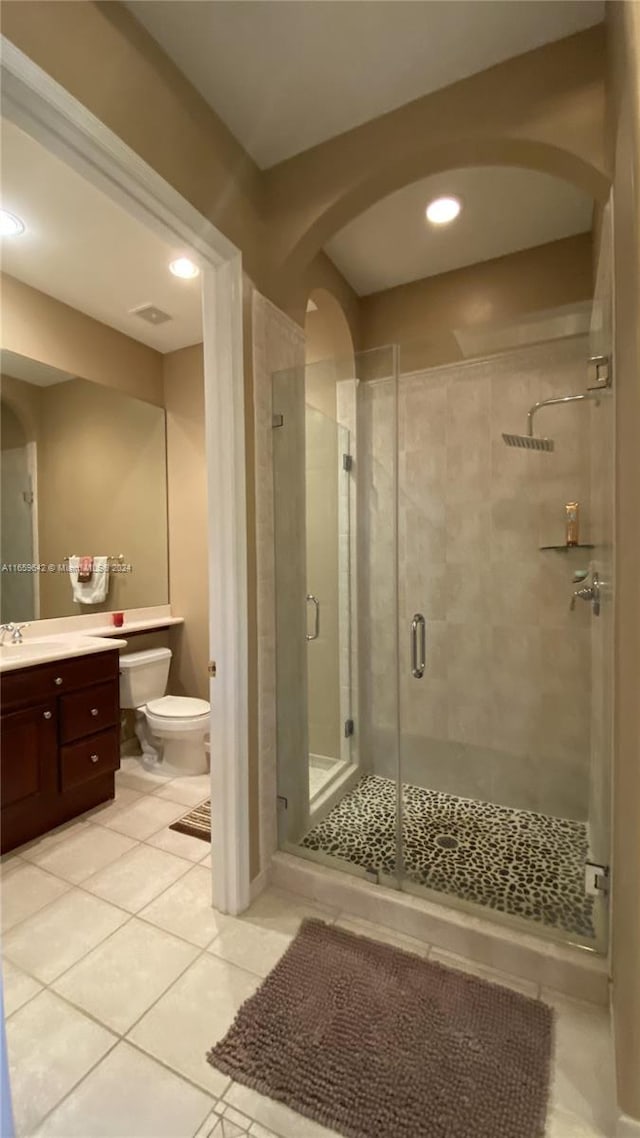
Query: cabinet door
x=28, y=771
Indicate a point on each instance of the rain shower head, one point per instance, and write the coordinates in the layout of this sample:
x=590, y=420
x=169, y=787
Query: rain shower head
x=533, y=442
x=528, y=442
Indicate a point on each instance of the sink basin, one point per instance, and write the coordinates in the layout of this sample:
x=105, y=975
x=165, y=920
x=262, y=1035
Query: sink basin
x=33, y=651
x=34, y=647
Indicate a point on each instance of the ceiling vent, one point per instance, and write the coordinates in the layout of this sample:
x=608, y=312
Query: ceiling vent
x=151, y=314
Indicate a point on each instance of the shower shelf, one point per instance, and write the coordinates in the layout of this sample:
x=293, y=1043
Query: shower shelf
x=565, y=548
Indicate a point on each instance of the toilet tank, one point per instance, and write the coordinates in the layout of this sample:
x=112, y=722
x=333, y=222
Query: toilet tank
x=143, y=676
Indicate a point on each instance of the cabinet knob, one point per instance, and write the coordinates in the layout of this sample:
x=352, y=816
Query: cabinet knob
x=46, y=715
x=58, y=680
x=94, y=711
x=94, y=758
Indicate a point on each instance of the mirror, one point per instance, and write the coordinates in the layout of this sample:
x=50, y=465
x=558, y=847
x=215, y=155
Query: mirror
x=84, y=473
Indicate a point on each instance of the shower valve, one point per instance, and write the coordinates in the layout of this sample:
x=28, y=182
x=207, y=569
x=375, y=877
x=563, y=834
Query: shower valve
x=588, y=593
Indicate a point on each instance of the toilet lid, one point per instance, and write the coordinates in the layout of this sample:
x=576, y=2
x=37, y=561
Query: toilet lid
x=178, y=707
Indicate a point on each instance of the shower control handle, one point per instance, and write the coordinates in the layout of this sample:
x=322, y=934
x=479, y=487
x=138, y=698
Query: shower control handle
x=418, y=645
x=588, y=593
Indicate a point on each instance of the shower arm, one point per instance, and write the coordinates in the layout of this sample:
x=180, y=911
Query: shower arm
x=550, y=402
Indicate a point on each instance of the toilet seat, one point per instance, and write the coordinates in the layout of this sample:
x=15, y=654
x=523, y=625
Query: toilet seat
x=179, y=707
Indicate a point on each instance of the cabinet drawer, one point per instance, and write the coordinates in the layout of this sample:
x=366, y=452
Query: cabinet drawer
x=96, y=755
x=29, y=685
x=88, y=711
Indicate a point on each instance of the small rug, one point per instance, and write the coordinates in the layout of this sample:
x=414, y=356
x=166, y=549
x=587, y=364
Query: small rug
x=197, y=823
x=375, y=1042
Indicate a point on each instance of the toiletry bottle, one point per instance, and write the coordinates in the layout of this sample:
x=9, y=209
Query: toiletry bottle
x=572, y=511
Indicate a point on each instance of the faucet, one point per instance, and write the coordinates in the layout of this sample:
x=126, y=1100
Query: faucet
x=14, y=629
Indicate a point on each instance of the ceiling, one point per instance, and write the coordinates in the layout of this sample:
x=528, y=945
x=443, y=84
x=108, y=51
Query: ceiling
x=285, y=76
x=83, y=249
x=505, y=209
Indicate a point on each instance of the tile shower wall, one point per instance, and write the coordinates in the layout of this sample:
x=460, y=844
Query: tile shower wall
x=502, y=713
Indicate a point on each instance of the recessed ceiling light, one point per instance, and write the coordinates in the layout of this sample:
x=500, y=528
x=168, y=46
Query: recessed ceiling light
x=184, y=268
x=443, y=210
x=10, y=225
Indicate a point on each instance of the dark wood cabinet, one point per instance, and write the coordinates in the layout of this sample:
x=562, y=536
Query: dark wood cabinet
x=59, y=743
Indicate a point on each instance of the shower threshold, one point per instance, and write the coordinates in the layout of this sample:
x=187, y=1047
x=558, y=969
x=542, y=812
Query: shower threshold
x=515, y=862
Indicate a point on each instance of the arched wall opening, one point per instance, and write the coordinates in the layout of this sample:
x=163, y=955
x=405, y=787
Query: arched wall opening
x=325, y=219
x=522, y=244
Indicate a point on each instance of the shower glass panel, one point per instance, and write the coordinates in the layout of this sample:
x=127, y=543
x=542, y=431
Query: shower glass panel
x=334, y=522
x=329, y=707
x=496, y=729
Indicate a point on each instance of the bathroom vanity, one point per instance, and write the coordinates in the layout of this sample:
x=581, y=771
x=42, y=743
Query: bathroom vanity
x=60, y=737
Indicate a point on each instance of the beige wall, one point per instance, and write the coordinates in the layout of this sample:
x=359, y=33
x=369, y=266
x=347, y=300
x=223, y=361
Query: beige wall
x=624, y=135
x=102, y=490
x=423, y=315
x=187, y=500
x=24, y=400
x=41, y=328
x=12, y=429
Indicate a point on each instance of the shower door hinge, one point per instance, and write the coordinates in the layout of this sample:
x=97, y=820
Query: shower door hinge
x=212, y=668
x=277, y=420
x=347, y=462
x=349, y=728
x=596, y=879
x=599, y=372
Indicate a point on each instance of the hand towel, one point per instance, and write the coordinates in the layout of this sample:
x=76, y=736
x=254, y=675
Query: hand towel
x=85, y=570
x=91, y=592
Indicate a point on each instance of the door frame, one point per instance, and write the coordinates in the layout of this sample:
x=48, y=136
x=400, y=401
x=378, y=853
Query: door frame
x=45, y=110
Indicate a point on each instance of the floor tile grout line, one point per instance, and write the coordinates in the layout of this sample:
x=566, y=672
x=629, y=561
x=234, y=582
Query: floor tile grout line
x=11, y=928
x=130, y=917
x=75, y=1087
x=48, y=984
x=119, y=1038
x=79, y=886
x=129, y=914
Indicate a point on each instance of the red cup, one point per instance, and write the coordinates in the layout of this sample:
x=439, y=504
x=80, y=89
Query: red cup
x=118, y=619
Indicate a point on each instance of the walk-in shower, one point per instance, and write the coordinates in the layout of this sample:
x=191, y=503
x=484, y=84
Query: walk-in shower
x=442, y=728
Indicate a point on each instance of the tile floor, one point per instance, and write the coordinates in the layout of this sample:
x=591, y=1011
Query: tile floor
x=118, y=976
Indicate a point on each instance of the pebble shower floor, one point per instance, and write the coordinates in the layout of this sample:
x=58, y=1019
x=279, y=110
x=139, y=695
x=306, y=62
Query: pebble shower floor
x=514, y=861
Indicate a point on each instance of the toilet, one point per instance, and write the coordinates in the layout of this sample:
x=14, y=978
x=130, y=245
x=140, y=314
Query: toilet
x=172, y=729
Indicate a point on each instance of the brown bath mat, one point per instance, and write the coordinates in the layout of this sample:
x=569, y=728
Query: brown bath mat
x=197, y=823
x=377, y=1043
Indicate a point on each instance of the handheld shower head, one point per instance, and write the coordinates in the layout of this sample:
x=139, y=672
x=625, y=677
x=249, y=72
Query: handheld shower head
x=528, y=442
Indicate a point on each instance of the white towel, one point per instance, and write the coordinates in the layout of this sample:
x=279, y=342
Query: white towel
x=91, y=592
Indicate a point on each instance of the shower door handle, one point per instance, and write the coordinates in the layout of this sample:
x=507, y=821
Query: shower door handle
x=316, y=620
x=418, y=645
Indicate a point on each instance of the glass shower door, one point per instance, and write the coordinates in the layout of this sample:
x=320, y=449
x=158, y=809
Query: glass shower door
x=336, y=600
x=501, y=723
x=328, y=601
x=315, y=713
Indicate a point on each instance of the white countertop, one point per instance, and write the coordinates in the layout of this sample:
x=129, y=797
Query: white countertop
x=141, y=625
x=40, y=649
